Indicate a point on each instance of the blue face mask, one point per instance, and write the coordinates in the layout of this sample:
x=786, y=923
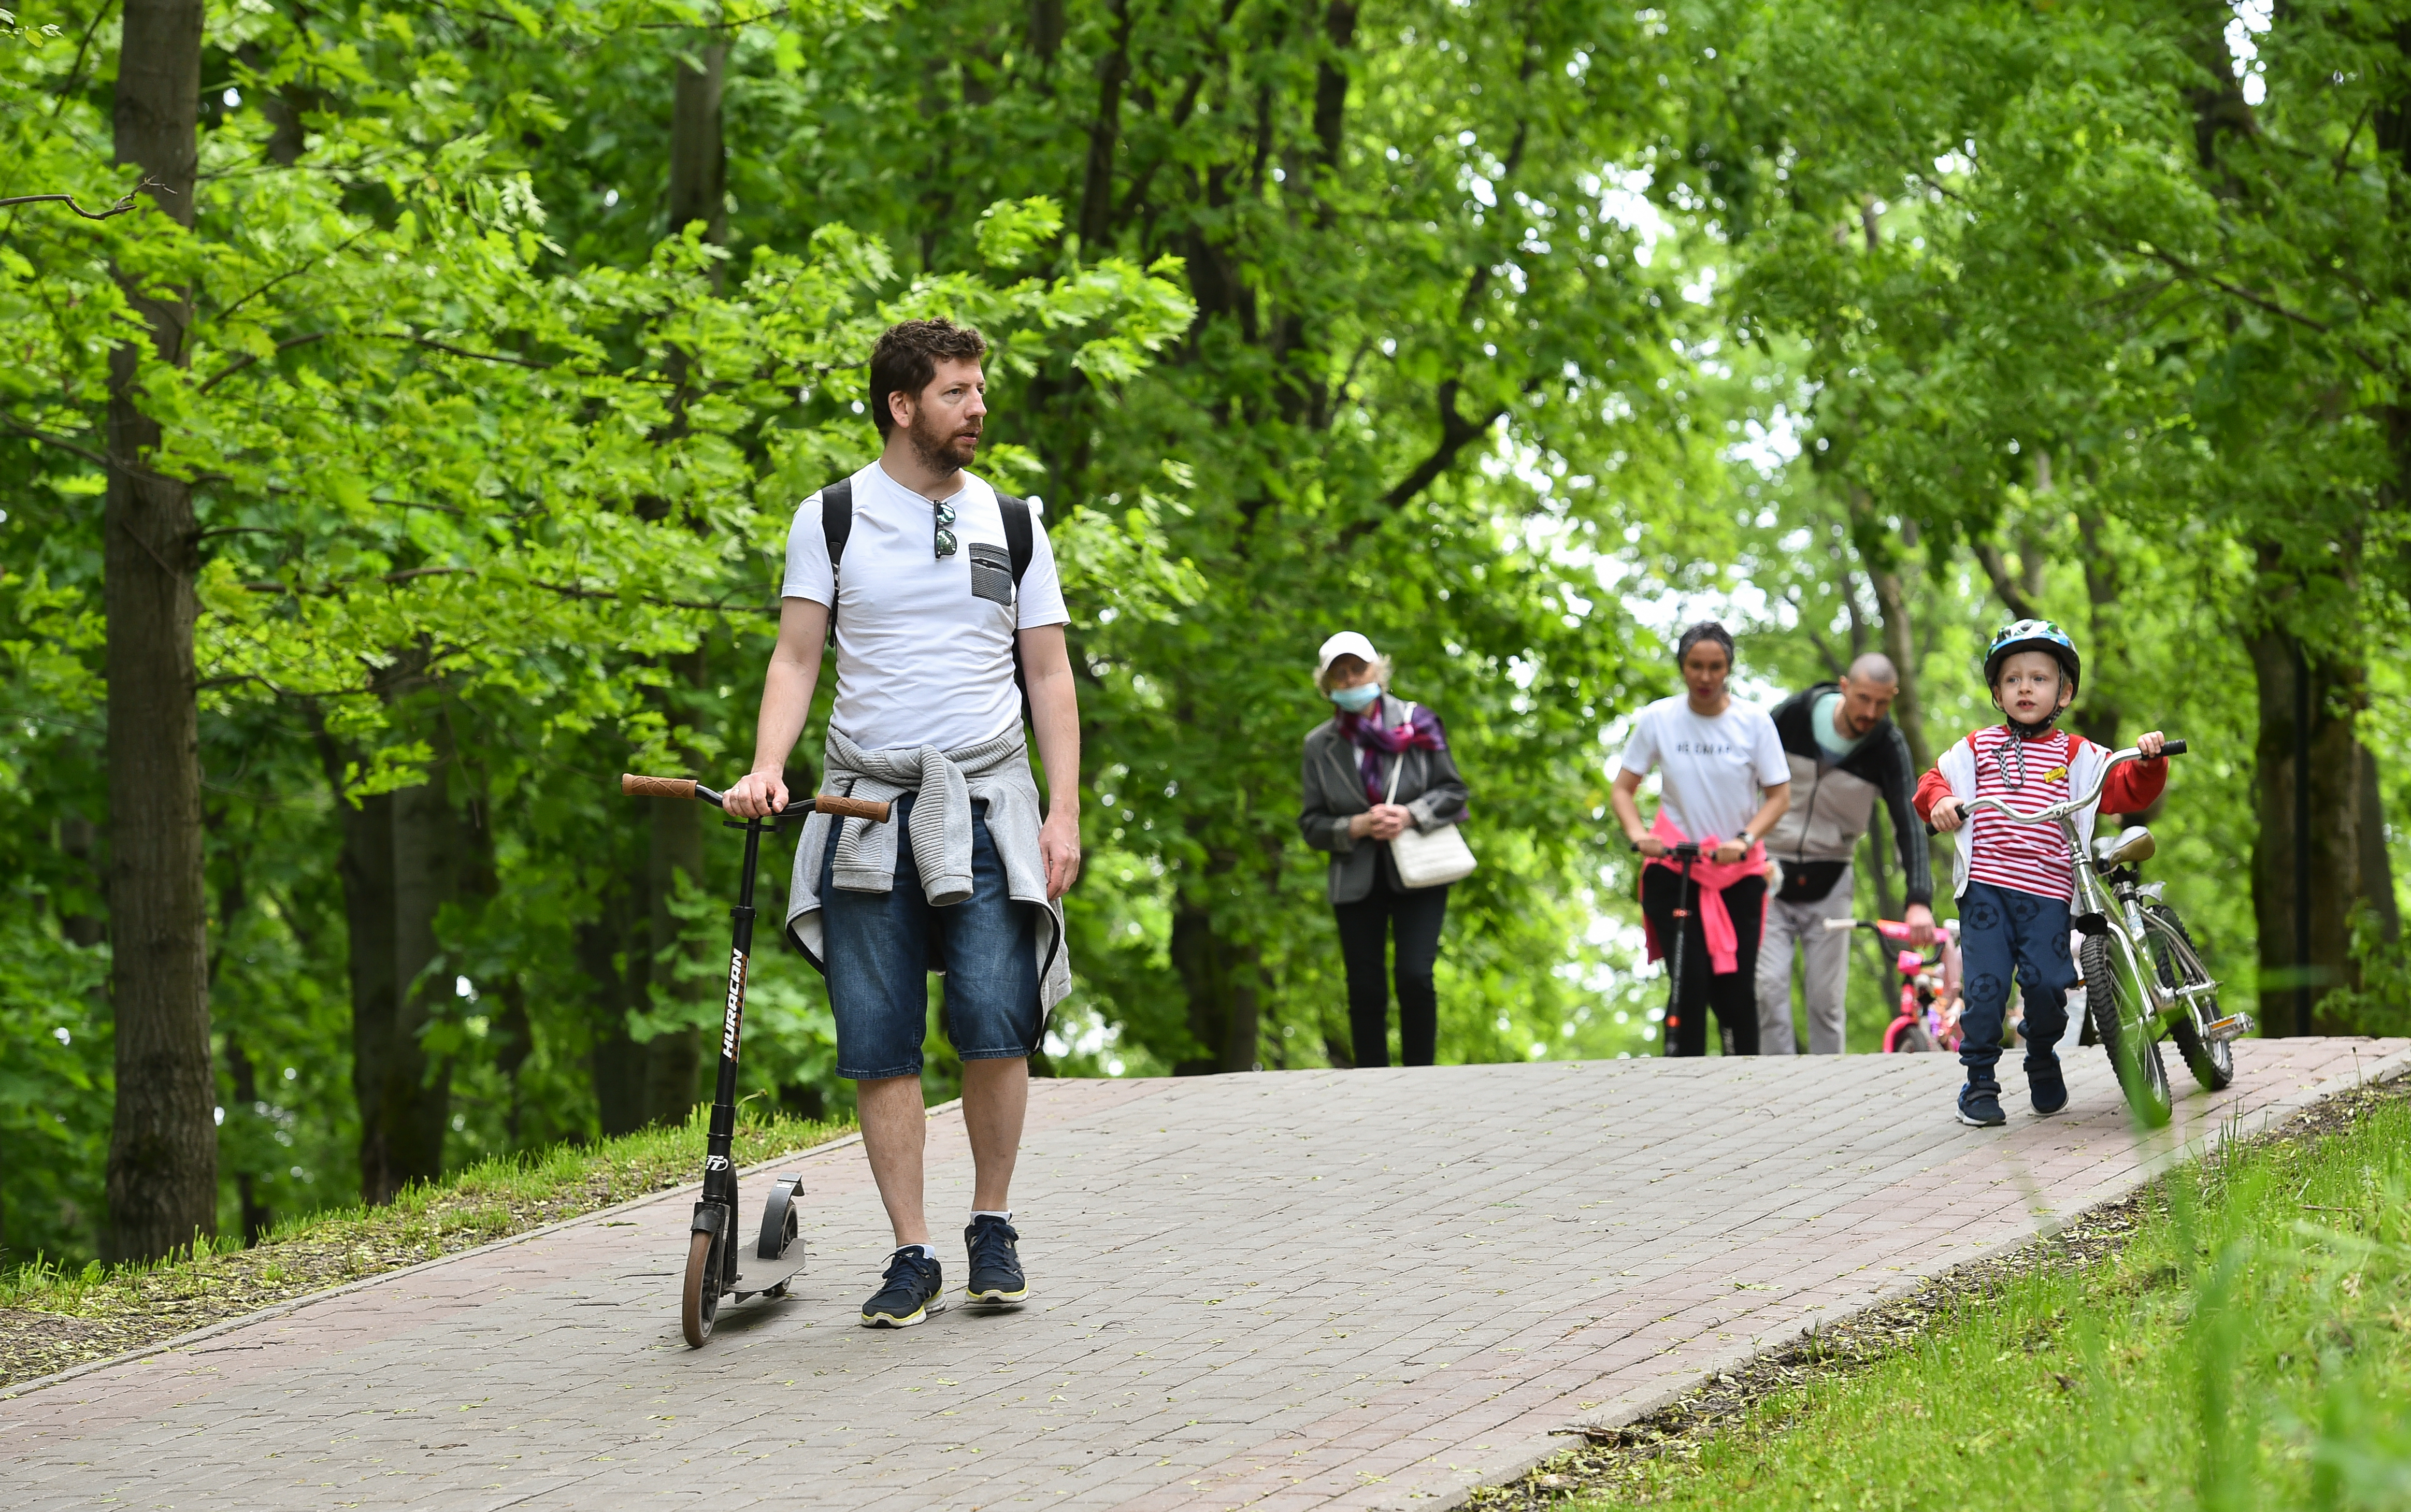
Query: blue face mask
x=1356, y=700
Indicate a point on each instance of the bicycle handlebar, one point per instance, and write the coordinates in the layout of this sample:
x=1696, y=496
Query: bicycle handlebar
x=1889, y=928
x=2059, y=811
x=633, y=786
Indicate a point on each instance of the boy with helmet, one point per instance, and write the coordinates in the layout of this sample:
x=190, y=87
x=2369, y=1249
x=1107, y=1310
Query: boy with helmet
x=2014, y=882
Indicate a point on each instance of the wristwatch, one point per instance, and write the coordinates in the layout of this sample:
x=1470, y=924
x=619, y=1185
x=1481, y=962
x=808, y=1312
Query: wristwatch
x=1747, y=838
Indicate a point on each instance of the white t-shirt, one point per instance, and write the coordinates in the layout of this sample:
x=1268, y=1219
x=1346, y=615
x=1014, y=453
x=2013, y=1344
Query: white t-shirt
x=924, y=642
x=1714, y=768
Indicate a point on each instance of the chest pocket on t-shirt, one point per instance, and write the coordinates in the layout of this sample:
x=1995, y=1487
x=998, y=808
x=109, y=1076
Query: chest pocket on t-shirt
x=991, y=573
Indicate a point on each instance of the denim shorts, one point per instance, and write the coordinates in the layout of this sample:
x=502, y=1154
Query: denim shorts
x=880, y=948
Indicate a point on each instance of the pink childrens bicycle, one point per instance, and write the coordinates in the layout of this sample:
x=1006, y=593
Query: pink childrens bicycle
x=1928, y=1014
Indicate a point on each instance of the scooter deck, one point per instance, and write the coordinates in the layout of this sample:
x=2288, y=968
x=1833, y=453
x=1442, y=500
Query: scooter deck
x=781, y=1234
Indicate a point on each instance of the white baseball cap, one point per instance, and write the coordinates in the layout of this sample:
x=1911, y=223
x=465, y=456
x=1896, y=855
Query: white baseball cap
x=1347, y=643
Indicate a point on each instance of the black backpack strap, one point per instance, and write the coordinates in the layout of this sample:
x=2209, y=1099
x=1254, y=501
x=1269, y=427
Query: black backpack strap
x=1020, y=543
x=837, y=523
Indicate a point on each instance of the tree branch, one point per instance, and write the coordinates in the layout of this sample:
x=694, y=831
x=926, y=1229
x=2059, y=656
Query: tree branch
x=68, y=200
x=233, y=368
x=2005, y=583
x=482, y=357
x=1455, y=433
x=569, y=591
x=2188, y=271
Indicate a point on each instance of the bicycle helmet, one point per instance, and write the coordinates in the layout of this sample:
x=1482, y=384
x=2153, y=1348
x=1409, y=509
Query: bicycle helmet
x=2032, y=635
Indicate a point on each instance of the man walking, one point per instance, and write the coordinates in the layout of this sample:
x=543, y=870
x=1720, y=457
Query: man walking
x=941, y=589
x=1845, y=754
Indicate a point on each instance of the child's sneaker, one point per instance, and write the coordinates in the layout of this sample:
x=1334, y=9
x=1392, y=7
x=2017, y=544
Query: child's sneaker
x=2048, y=1088
x=1979, y=1104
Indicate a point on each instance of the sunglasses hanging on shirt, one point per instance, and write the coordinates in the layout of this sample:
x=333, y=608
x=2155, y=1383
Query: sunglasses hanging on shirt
x=944, y=539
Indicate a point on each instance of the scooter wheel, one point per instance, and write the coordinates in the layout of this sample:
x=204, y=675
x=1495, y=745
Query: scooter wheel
x=699, y=1304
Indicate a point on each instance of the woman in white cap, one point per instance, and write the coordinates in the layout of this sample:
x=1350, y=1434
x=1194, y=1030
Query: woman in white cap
x=1378, y=765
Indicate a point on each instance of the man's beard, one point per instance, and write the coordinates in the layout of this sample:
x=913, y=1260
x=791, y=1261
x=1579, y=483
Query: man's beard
x=941, y=451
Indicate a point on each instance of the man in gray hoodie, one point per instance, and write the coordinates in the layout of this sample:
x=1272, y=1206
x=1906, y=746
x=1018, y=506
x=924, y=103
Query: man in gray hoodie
x=1845, y=755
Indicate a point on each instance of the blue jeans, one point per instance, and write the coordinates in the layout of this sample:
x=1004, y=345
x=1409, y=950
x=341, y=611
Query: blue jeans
x=881, y=947
x=2005, y=933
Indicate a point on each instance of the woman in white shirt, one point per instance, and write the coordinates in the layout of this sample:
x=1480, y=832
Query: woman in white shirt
x=1725, y=782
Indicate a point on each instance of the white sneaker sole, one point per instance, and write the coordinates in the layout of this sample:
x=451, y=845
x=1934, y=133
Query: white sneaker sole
x=918, y=1316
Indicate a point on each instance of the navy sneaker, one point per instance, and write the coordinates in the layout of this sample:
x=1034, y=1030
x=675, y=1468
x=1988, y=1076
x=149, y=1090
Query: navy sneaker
x=2048, y=1088
x=1979, y=1104
x=996, y=1279
x=914, y=1287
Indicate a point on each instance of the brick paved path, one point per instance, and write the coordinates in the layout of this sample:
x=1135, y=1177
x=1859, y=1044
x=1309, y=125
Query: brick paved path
x=1293, y=1289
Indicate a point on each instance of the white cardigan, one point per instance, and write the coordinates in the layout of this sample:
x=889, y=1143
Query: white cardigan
x=1958, y=769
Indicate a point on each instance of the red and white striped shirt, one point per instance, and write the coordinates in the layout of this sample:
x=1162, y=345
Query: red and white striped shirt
x=2028, y=858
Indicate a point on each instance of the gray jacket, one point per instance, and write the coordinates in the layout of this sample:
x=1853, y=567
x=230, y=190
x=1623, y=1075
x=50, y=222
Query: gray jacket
x=1334, y=792
x=945, y=785
x=1832, y=802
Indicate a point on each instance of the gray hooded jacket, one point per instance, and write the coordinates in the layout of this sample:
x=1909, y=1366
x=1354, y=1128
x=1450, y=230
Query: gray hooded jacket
x=945, y=785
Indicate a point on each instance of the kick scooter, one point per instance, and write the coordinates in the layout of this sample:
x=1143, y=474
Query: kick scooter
x=717, y=1264
x=1687, y=853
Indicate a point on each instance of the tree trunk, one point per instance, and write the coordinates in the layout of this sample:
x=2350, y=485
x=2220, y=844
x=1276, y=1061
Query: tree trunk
x=162, y=1185
x=1899, y=642
x=2376, y=865
x=366, y=866
x=256, y=1217
x=673, y=1059
x=246, y=1107
x=1219, y=976
x=514, y=1038
x=658, y=1081
x=611, y=954
x=698, y=165
x=417, y=1090
x=2099, y=712
x=2284, y=912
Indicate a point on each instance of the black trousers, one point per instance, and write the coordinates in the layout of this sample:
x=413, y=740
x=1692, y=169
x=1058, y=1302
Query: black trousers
x=1365, y=931
x=1734, y=995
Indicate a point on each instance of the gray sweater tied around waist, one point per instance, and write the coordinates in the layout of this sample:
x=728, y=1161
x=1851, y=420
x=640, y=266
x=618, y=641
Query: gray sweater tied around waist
x=945, y=785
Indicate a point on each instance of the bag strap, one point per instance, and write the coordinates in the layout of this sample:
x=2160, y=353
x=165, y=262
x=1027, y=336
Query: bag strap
x=837, y=523
x=1020, y=541
x=1020, y=544
x=1400, y=765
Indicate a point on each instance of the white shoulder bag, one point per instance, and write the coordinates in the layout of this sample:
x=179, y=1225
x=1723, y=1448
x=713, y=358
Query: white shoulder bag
x=1426, y=858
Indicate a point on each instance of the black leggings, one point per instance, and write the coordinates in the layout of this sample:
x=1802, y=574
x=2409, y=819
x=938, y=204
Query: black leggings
x=1365, y=930
x=1732, y=994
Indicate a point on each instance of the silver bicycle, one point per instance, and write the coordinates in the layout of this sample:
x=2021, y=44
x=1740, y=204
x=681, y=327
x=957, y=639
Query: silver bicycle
x=2143, y=979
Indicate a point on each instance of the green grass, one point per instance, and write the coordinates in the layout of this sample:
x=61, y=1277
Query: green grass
x=2250, y=1347
x=53, y=1316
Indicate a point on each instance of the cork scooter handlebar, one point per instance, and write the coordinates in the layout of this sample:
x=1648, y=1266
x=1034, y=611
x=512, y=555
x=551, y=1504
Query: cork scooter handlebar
x=633, y=786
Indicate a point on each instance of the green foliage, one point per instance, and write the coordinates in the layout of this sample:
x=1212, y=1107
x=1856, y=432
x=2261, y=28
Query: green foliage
x=1509, y=335
x=2243, y=1350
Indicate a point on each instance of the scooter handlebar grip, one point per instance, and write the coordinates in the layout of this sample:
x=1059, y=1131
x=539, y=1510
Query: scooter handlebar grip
x=852, y=808
x=2174, y=747
x=633, y=786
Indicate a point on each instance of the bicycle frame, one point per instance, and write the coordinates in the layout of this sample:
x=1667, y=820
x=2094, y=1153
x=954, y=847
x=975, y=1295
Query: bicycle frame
x=1929, y=989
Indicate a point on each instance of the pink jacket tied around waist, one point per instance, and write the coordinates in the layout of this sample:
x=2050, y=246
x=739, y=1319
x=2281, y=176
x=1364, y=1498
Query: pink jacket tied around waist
x=1712, y=877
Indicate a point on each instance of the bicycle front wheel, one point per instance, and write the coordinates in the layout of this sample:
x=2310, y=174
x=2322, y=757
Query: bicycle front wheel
x=2179, y=964
x=2118, y=1020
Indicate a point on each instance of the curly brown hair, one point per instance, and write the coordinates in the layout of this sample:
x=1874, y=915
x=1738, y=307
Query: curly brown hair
x=907, y=357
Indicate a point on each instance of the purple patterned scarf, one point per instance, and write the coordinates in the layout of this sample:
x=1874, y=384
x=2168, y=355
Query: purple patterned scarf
x=1372, y=742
